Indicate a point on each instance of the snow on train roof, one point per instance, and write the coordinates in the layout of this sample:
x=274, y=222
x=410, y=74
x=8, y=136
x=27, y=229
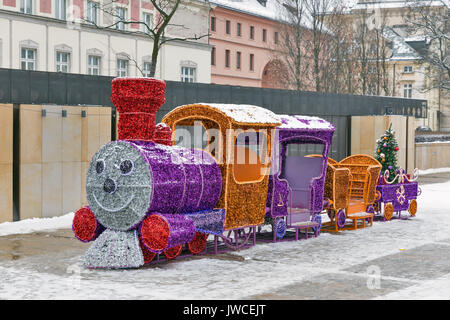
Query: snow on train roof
x=245, y=113
x=304, y=122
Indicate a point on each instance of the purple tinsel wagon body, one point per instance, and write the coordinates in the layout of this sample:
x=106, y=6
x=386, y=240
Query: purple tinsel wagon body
x=398, y=194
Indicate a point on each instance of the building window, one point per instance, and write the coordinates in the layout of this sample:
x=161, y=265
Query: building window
x=228, y=26
x=264, y=35
x=146, y=69
x=252, y=32
x=188, y=74
x=148, y=22
x=238, y=29
x=252, y=61
x=227, y=58
x=407, y=69
x=28, y=59
x=91, y=14
x=238, y=60
x=407, y=90
x=213, y=23
x=26, y=6
x=60, y=9
x=275, y=37
x=213, y=56
x=94, y=65
x=122, y=67
x=62, y=61
x=120, y=16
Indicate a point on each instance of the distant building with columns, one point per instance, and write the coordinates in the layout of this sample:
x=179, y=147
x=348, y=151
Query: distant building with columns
x=40, y=35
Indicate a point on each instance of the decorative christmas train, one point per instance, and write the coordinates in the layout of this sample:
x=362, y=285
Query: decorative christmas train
x=150, y=199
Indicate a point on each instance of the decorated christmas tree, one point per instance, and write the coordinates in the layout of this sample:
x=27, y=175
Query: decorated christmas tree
x=386, y=152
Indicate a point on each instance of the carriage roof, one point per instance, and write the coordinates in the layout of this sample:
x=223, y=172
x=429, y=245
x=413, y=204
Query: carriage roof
x=239, y=114
x=304, y=123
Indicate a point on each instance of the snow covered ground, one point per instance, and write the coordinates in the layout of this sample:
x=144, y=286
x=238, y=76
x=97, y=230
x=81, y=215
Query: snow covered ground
x=364, y=264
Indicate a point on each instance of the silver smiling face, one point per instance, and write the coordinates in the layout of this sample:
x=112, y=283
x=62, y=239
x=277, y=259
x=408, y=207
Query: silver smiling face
x=118, y=185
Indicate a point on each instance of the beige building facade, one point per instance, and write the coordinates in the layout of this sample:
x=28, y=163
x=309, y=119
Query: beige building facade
x=406, y=71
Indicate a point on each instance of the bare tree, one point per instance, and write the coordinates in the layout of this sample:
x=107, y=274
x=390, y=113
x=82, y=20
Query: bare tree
x=165, y=12
x=430, y=21
x=339, y=76
x=290, y=46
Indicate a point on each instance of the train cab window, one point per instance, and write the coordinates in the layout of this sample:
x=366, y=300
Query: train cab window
x=190, y=136
x=250, y=157
x=303, y=149
x=200, y=134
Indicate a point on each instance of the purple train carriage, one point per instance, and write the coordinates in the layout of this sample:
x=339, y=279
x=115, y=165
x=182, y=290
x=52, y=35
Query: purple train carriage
x=296, y=183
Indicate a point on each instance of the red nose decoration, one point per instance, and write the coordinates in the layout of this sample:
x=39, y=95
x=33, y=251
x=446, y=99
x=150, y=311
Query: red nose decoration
x=137, y=100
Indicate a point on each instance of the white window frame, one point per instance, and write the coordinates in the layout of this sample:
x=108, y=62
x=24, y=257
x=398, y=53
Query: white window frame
x=408, y=69
x=149, y=23
x=123, y=17
x=92, y=11
x=27, y=60
x=61, y=11
x=185, y=71
x=26, y=6
x=145, y=70
x=92, y=67
x=61, y=64
x=122, y=71
x=407, y=90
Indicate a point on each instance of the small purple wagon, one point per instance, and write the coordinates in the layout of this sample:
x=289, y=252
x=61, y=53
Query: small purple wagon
x=296, y=183
x=397, y=197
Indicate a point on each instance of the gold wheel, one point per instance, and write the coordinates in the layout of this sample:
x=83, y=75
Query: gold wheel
x=412, y=207
x=388, y=211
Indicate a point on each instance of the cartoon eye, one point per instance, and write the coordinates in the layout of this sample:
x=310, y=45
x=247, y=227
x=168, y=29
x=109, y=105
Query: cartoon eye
x=126, y=167
x=100, y=166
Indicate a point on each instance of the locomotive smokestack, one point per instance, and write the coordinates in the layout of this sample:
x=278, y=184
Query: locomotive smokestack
x=137, y=100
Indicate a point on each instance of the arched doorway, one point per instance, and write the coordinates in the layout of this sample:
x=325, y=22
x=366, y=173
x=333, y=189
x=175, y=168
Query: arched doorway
x=272, y=76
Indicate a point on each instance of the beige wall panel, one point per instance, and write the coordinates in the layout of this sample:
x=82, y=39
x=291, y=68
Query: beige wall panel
x=367, y=133
x=91, y=131
x=71, y=186
x=367, y=129
x=356, y=136
x=6, y=194
x=30, y=134
x=6, y=133
x=30, y=190
x=52, y=134
x=432, y=155
x=410, y=165
x=105, y=125
x=52, y=189
x=84, y=169
x=71, y=135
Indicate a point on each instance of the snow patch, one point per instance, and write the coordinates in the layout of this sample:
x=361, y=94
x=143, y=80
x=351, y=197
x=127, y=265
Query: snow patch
x=433, y=170
x=36, y=224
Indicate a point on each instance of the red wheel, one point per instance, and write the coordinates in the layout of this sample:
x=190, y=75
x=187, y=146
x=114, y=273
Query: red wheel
x=198, y=245
x=173, y=252
x=148, y=255
x=155, y=232
x=85, y=226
